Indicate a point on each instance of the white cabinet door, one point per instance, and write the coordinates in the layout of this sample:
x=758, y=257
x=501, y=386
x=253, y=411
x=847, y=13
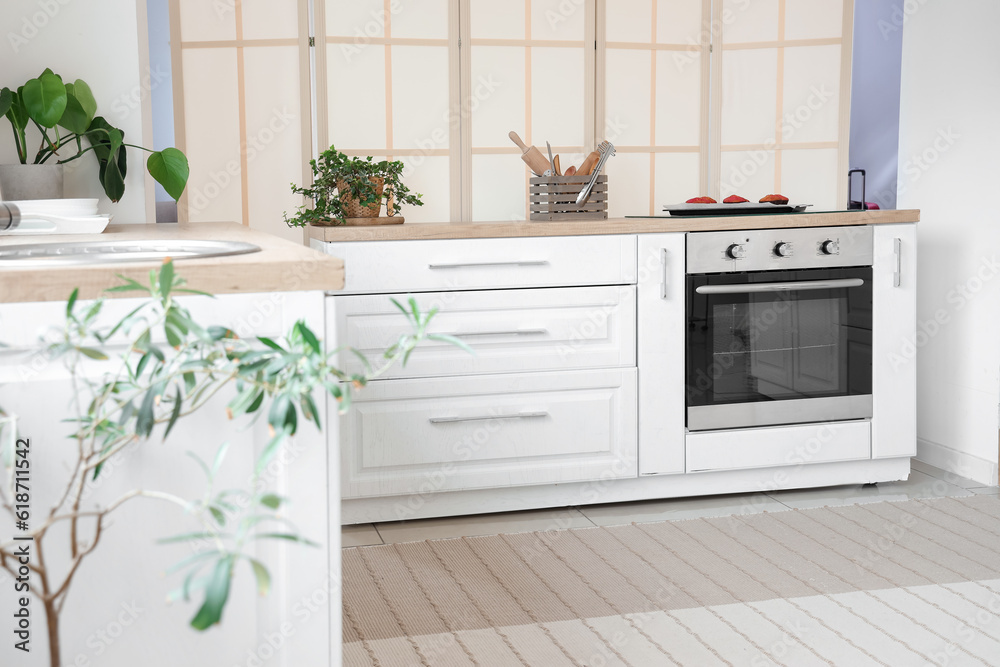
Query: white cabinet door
x=489, y=431
x=661, y=353
x=894, y=368
x=510, y=331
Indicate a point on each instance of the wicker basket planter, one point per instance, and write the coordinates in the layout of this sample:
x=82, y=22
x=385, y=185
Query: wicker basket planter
x=352, y=207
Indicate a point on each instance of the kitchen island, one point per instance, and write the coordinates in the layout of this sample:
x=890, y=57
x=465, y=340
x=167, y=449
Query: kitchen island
x=585, y=387
x=258, y=294
x=280, y=266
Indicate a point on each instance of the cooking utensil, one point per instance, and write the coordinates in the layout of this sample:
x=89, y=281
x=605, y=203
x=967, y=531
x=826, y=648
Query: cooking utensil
x=589, y=164
x=531, y=155
x=570, y=170
x=552, y=162
x=606, y=150
x=555, y=166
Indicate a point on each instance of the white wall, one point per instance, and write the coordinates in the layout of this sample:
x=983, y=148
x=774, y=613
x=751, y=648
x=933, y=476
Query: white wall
x=99, y=43
x=949, y=143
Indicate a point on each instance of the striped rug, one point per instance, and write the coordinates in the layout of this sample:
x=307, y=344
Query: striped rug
x=889, y=583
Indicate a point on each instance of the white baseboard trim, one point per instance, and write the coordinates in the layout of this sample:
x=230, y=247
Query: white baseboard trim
x=959, y=463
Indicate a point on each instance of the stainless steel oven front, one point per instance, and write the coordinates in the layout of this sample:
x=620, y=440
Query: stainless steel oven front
x=779, y=327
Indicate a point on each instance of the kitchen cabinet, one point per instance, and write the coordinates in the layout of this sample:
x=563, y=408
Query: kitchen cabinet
x=661, y=346
x=549, y=395
x=576, y=391
x=128, y=564
x=894, y=375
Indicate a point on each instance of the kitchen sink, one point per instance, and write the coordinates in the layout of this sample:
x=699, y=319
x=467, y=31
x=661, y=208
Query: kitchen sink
x=104, y=252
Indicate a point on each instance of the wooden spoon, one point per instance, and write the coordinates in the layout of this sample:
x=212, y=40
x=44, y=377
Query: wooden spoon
x=570, y=170
x=589, y=164
x=555, y=166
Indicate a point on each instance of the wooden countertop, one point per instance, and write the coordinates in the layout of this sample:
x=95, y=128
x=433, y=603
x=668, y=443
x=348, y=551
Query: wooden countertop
x=483, y=230
x=280, y=266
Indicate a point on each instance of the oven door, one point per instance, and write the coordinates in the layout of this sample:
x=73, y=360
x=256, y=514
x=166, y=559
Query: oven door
x=779, y=347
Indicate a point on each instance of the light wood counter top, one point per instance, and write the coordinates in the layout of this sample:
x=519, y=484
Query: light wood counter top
x=482, y=230
x=280, y=266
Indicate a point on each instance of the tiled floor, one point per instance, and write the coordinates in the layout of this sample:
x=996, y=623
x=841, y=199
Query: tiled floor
x=925, y=481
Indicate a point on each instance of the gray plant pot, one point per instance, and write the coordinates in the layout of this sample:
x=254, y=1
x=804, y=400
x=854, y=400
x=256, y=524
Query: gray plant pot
x=31, y=181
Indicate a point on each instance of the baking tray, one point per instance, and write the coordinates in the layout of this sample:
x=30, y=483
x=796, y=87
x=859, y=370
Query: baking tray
x=746, y=208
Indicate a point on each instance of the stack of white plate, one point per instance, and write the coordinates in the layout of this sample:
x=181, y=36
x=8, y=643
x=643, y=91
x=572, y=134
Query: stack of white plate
x=60, y=216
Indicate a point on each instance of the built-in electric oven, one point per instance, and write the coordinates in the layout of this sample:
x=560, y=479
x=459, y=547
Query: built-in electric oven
x=779, y=327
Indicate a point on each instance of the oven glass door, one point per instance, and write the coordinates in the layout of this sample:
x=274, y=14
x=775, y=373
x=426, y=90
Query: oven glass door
x=779, y=347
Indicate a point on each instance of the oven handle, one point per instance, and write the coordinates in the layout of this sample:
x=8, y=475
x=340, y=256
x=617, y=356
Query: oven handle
x=780, y=287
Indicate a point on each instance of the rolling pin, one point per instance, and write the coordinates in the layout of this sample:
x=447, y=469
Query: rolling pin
x=589, y=164
x=531, y=155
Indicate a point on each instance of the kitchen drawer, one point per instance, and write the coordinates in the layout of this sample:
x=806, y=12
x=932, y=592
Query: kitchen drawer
x=509, y=330
x=778, y=446
x=464, y=264
x=406, y=437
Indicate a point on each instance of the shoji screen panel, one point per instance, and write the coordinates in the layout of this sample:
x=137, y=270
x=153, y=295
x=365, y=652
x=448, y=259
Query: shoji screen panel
x=785, y=106
x=242, y=114
x=531, y=70
x=389, y=90
x=655, y=100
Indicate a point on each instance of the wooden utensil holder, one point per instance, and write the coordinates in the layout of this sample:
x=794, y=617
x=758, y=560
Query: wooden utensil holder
x=553, y=198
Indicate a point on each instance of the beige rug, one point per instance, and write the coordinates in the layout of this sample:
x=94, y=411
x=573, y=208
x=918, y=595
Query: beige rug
x=890, y=583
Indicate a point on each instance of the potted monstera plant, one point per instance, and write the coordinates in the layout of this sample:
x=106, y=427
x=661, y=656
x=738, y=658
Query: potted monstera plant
x=64, y=115
x=350, y=191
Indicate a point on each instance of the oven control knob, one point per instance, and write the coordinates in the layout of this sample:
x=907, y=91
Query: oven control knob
x=736, y=251
x=830, y=247
x=783, y=249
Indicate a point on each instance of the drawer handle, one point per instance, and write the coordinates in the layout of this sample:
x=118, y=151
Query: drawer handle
x=520, y=415
x=468, y=265
x=512, y=332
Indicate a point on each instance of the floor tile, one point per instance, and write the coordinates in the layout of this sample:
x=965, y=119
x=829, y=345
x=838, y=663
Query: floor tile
x=680, y=508
x=947, y=476
x=986, y=490
x=361, y=535
x=482, y=524
x=919, y=485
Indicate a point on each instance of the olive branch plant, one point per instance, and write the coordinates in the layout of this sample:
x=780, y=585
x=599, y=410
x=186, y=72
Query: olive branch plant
x=148, y=390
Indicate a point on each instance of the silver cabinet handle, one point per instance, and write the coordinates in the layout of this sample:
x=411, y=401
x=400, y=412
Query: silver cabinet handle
x=897, y=249
x=779, y=287
x=511, y=332
x=519, y=415
x=663, y=284
x=469, y=265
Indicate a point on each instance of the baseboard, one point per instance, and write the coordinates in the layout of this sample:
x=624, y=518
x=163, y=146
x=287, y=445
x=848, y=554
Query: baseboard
x=649, y=487
x=959, y=463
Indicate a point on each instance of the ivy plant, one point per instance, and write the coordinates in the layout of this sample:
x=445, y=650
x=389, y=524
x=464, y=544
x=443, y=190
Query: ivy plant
x=336, y=177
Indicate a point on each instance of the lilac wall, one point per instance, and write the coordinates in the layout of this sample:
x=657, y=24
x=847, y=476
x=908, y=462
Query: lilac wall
x=878, y=52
